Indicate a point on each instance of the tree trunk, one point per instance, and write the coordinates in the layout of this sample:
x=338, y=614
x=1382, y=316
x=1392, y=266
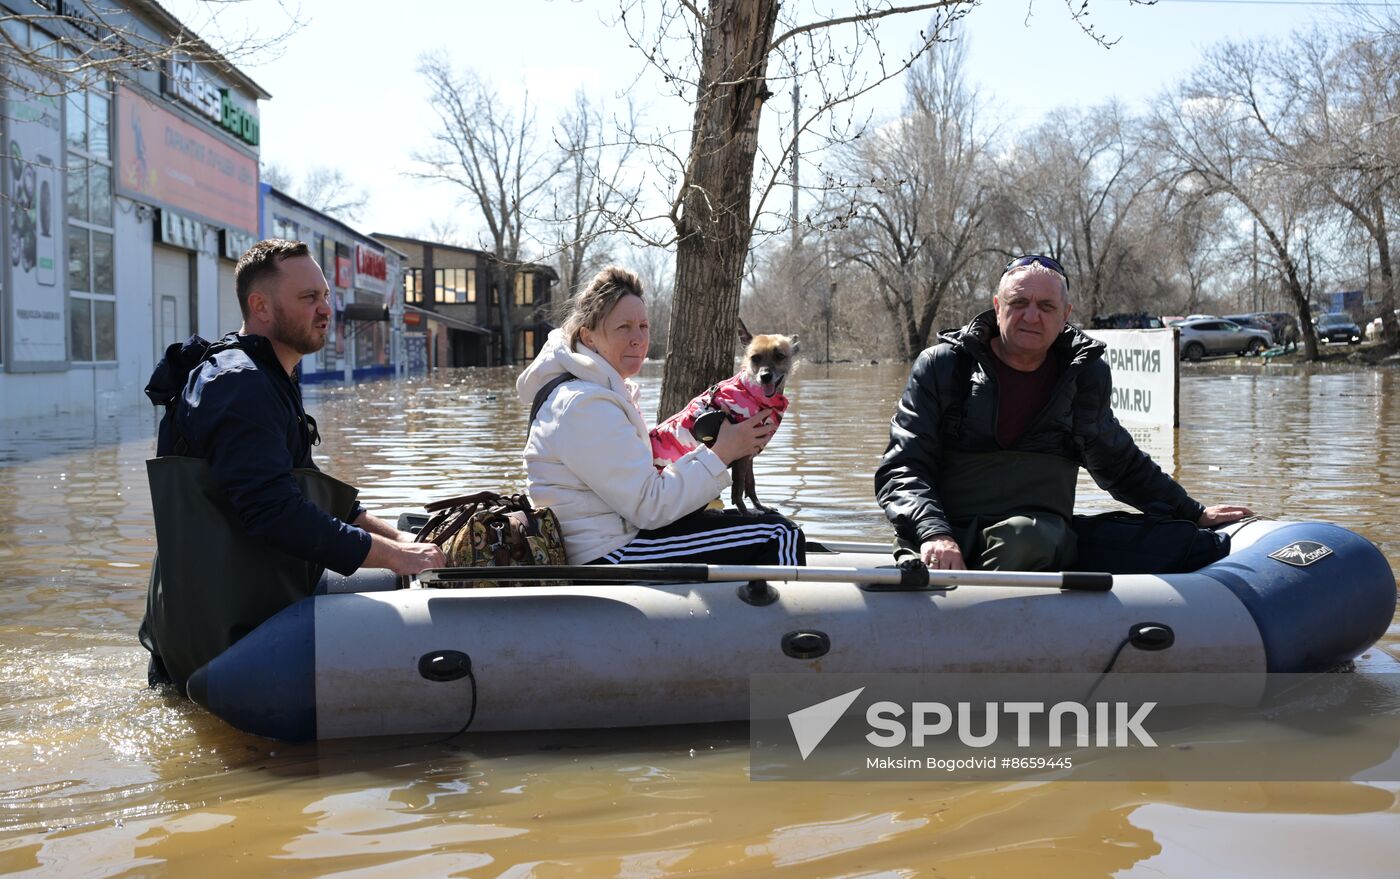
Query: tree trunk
x=1300, y=301
x=714, y=225
x=505, y=278
x=1390, y=326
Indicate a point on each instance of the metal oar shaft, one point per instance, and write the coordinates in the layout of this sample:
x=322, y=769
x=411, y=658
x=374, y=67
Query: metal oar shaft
x=695, y=573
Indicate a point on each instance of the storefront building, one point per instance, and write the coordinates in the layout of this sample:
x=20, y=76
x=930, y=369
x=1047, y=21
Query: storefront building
x=365, y=279
x=452, y=303
x=126, y=208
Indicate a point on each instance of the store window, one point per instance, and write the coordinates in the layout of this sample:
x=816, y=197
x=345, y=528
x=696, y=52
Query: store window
x=524, y=288
x=455, y=285
x=283, y=228
x=413, y=285
x=92, y=311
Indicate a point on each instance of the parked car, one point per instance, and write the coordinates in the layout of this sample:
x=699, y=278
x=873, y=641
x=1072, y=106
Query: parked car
x=1204, y=337
x=1137, y=320
x=1253, y=321
x=1337, y=327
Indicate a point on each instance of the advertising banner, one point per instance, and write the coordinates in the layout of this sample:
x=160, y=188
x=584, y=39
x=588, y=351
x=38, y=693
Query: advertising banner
x=371, y=270
x=1144, y=374
x=166, y=160
x=33, y=208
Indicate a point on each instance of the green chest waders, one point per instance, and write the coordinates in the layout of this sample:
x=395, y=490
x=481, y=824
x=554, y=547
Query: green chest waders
x=212, y=582
x=1010, y=505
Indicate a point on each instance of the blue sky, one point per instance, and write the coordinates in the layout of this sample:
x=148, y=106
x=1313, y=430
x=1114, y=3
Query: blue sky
x=346, y=92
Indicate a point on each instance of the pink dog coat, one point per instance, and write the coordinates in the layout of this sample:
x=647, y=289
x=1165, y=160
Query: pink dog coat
x=673, y=437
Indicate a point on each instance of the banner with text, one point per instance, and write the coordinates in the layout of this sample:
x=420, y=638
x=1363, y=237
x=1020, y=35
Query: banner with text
x=1144, y=374
x=34, y=206
x=163, y=158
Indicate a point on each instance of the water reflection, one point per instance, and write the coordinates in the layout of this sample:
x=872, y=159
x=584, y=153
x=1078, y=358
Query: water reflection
x=100, y=776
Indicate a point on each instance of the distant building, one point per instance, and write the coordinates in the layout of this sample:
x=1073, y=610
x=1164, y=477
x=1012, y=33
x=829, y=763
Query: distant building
x=452, y=298
x=366, y=282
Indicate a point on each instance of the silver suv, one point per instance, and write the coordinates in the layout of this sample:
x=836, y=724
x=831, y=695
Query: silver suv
x=1213, y=335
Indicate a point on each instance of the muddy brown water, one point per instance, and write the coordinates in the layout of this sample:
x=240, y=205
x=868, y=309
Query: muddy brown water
x=100, y=776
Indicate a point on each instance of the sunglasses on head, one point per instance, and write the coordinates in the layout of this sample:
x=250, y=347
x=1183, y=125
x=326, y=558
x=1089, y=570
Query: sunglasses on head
x=1050, y=263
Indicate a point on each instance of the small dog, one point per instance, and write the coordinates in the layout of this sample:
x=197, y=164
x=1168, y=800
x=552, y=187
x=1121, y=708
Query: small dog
x=756, y=388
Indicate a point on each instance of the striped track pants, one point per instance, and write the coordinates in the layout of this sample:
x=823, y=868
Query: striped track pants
x=717, y=537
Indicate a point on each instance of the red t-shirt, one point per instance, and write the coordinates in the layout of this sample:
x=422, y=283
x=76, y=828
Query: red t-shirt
x=1021, y=396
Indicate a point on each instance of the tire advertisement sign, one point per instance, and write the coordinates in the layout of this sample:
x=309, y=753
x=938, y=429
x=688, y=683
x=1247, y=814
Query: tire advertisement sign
x=1144, y=374
x=33, y=213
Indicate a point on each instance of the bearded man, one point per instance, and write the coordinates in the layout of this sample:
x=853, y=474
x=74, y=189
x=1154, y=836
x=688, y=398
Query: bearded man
x=235, y=406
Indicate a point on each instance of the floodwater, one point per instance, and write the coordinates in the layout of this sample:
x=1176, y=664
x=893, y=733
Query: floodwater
x=100, y=776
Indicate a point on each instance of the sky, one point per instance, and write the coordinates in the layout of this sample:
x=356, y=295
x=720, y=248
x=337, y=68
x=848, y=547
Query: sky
x=346, y=91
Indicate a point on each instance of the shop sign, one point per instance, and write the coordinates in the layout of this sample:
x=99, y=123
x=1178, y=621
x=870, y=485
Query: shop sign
x=165, y=160
x=177, y=230
x=371, y=269
x=185, y=81
x=369, y=262
x=234, y=244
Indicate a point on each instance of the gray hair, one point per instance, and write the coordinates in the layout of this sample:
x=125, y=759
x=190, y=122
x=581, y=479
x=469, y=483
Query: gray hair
x=589, y=308
x=1034, y=268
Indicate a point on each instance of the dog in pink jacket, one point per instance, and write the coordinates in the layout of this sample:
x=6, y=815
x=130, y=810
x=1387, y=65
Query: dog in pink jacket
x=757, y=387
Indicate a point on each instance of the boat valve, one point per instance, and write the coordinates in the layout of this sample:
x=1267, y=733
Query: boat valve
x=1151, y=636
x=444, y=665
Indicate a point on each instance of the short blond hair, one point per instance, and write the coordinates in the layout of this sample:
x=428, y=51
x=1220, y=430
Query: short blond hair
x=596, y=302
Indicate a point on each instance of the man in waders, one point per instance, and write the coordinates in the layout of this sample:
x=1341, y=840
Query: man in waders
x=245, y=523
x=996, y=420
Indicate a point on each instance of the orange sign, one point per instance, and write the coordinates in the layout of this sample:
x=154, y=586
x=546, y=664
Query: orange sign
x=170, y=161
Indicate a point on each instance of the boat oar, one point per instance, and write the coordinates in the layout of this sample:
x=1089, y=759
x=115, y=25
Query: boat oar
x=912, y=577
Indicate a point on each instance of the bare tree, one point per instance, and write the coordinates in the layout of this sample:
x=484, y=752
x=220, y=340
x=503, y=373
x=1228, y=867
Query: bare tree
x=329, y=191
x=1346, y=134
x=1079, y=179
x=595, y=188
x=490, y=152
x=918, y=221
x=74, y=44
x=1213, y=130
x=717, y=60
x=323, y=189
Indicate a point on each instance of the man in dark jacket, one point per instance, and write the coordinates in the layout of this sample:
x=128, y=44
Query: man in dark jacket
x=996, y=420
x=236, y=404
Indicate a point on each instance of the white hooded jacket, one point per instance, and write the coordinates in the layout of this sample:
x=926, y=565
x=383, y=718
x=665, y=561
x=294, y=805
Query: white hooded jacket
x=588, y=457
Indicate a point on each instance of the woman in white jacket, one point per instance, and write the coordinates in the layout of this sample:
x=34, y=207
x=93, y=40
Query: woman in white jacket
x=588, y=456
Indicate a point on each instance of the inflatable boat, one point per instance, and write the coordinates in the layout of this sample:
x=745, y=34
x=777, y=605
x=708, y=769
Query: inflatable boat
x=1290, y=597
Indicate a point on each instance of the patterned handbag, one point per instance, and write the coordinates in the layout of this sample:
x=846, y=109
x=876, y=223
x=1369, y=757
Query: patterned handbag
x=486, y=530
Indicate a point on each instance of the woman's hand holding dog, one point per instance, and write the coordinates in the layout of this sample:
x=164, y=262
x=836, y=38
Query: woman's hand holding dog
x=743, y=440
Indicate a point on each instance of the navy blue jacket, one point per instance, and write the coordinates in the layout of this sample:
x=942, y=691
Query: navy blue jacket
x=239, y=410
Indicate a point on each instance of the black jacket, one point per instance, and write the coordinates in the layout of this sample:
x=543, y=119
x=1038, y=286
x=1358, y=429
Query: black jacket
x=234, y=405
x=1076, y=424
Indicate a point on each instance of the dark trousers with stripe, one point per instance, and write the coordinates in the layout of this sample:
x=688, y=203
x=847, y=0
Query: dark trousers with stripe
x=716, y=537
